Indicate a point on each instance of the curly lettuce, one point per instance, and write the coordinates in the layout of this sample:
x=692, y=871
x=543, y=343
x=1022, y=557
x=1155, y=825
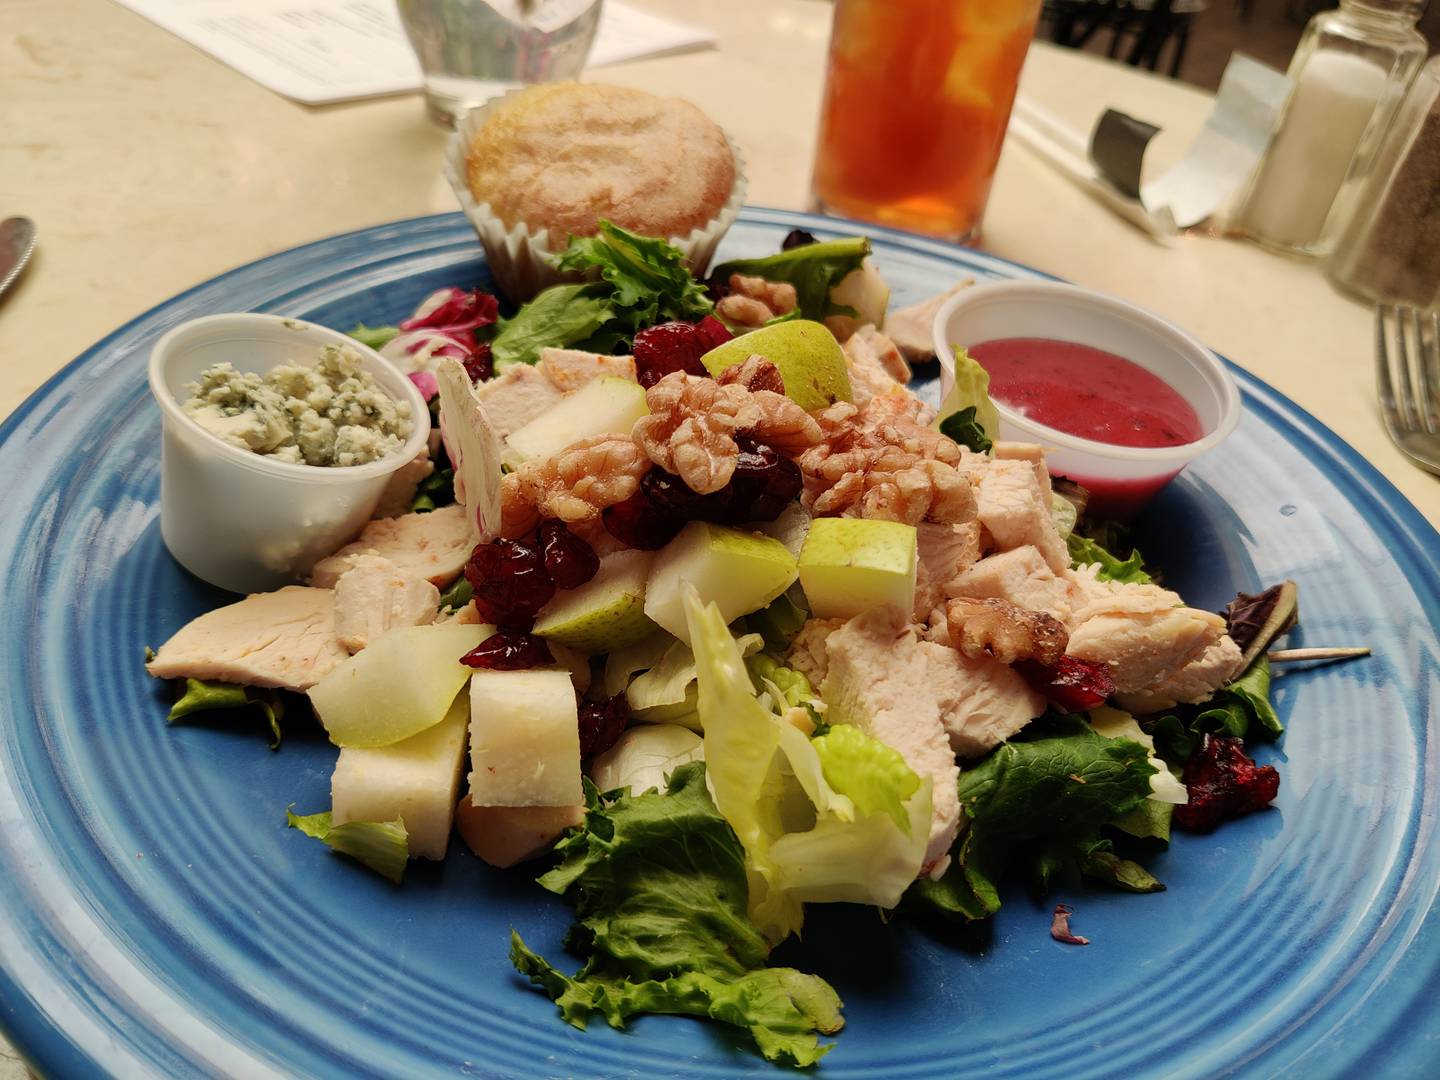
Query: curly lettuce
x=659, y=883
x=809, y=834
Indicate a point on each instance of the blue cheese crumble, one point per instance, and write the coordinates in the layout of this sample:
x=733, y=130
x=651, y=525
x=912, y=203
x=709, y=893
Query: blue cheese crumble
x=328, y=413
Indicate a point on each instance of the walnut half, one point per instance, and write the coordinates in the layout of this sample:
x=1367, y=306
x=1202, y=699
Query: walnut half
x=753, y=301
x=693, y=422
x=1004, y=631
x=574, y=485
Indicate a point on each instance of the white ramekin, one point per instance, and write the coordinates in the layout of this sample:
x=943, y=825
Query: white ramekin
x=240, y=520
x=1121, y=477
x=522, y=261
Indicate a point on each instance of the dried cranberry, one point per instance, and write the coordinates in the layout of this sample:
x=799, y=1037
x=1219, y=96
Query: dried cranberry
x=478, y=365
x=763, y=485
x=764, y=482
x=669, y=347
x=509, y=650
x=569, y=560
x=601, y=723
x=1072, y=685
x=639, y=523
x=1223, y=782
x=510, y=582
x=713, y=331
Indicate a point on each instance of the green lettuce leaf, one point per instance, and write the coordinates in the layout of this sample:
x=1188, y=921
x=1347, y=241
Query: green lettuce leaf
x=970, y=392
x=650, y=280
x=460, y=593
x=202, y=695
x=814, y=269
x=658, y=882
x=778, y=622
x=875, y=777
x=1084, y=551
x=435, y=491
x=804, y=840
x=964, y=429
x=1032, y=800
x=1240, y=708
x=383, y=846
x=667, y=692
x=560, y=316
x=377, y=337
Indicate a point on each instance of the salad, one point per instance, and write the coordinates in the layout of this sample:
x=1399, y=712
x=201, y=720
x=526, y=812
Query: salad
x=694, y=601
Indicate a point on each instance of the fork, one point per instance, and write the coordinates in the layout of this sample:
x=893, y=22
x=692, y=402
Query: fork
x=1412, y=417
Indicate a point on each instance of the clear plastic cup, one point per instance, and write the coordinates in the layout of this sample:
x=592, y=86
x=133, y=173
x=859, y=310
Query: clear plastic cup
x=240, y=520
x=1121, y=479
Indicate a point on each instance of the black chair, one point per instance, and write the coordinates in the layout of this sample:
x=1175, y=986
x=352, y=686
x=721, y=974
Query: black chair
x=1151, y=24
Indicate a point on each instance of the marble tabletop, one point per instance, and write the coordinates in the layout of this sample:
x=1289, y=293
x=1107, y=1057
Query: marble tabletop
x=148, y=166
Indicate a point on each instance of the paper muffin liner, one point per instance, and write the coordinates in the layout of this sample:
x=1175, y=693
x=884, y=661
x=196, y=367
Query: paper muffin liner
x=521, y=260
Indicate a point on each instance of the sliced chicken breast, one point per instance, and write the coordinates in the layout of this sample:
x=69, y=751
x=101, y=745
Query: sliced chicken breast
x=433, y=546
x=1194, y=682
x=881, y=680
x=282, y=639
x=912, y=328
x=981, y=702
x=570, y=369
x=516, y=396
x=1016, y=512
x=1021, y=576
x=374, y=595
x=944, y=552
x=1141, y=637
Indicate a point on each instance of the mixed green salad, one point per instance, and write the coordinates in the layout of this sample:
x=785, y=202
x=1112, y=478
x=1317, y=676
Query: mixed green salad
x=727, y=622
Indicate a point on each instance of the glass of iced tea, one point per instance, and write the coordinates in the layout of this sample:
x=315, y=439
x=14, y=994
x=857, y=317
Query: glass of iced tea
x=917, y=97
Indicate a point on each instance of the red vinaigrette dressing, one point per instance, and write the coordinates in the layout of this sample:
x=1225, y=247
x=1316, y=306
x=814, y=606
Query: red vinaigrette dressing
x=1095, y=395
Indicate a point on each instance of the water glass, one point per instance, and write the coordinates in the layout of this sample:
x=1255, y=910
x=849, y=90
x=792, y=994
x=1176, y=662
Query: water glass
x=472, y=50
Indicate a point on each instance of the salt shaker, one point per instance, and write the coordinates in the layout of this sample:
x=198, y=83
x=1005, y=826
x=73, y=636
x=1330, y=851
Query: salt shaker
x=1349, y=72
x=1390, y=252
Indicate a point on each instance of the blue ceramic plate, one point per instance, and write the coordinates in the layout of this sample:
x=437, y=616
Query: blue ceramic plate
x=159, y=919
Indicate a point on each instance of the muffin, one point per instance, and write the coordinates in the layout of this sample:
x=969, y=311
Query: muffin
x=539, y=165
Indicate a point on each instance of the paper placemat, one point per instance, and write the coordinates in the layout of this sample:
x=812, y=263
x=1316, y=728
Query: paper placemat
x=322, y=51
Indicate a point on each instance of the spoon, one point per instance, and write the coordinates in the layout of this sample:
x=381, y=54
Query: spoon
x=17, y=241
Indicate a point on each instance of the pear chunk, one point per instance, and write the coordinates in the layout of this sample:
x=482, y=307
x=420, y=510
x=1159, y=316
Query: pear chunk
x=607, y=612
x=740, y=571
x=806, y=354
x=850, y=565
x=600, y=407
x=402, y=683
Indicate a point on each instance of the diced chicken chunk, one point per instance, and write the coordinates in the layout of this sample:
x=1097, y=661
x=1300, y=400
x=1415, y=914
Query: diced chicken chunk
x=1194, y=682
x=570, y=369
x=881, y=679
x=1142, y=636
x=1021, y=576
x=282, y=639
x=981, y=702
x=400, y=489
x=1016, y=513
x=912, y=328
x=516, y=396
x=433, y=546
x=374, y=595
x=943, y=552
x=876, y=366
x=1031, y=452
